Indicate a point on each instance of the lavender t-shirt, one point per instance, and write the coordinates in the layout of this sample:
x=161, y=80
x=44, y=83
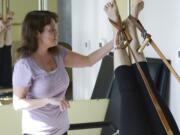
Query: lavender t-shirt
x=47, y=120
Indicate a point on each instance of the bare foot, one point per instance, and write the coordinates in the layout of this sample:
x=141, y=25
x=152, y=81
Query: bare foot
x=10, y=16
x=112, y=12
x=136, y=8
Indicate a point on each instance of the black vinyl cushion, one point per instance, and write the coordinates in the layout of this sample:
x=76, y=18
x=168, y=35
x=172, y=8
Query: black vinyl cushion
x=160, y=76
x=104, y=80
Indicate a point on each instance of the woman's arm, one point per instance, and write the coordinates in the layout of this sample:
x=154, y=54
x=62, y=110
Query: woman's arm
x=73, y=59
x=20, y=102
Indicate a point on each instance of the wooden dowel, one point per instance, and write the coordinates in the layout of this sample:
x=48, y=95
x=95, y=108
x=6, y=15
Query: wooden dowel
x=145, y=43
x=153, y=97
x=169, y=66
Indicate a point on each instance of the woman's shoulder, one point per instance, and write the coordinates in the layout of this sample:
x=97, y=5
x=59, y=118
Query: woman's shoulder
x=23, y=61
x=65, y=45
x=62, y=51
x=61, y=48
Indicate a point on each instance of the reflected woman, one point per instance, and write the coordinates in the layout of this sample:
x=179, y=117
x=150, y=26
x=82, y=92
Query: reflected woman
x=5, y=50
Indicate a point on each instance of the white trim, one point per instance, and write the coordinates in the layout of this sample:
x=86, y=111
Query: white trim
x=42, y=4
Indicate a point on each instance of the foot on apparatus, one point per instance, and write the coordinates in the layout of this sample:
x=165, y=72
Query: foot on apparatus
x=123, y=38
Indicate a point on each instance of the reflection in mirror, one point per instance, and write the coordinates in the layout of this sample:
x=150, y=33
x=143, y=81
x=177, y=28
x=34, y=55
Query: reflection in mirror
x=10, y=40
x=6, y=17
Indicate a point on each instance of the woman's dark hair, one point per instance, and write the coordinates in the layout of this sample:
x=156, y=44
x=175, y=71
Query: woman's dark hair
x=34, y=22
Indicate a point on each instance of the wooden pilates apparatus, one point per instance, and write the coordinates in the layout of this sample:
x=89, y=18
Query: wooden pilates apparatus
x=148, y=41
x=5, y=7
x=126, y=39
x=123, y=40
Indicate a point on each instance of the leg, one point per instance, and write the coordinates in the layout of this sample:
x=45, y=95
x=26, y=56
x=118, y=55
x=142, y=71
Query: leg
x=120, y=55
x=7, y=67
x=152, y=114
x=6, y=54
x=132, y=118
x=2, y=28
x=8, y=35
x=2, y=32
x=157, y=126
x=136, y=7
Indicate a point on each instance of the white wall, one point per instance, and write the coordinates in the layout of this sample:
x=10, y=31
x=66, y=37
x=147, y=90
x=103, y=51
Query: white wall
x=161, y=18
x=89, y=28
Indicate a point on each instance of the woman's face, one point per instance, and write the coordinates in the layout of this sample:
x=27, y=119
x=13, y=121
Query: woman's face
x=49, y=37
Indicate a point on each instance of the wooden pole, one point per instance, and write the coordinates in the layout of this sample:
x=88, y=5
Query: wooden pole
x=169, y=66
x=153, y=97
x=147, y=41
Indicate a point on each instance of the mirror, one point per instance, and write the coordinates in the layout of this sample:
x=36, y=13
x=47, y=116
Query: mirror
x=8, y=52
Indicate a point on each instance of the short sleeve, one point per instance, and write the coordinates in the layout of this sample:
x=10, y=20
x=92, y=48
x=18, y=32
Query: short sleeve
x=63, y=52
x=22, y=75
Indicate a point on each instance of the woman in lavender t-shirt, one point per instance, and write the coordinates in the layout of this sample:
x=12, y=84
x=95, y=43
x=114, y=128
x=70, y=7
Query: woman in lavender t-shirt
x=40, y=79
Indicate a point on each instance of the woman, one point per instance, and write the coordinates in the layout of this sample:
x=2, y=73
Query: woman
x=138, y=115
x=5, y=50
x=40, y=79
